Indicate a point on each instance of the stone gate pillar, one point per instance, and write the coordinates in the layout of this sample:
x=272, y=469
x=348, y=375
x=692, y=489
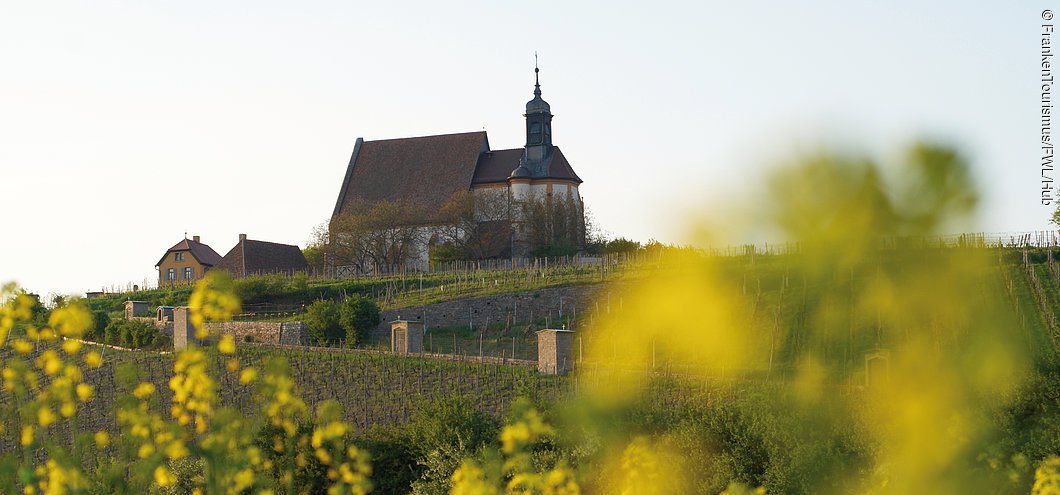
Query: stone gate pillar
x=406, y=337
x=555, y=353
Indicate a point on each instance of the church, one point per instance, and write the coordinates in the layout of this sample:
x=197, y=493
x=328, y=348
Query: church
x=428, y=170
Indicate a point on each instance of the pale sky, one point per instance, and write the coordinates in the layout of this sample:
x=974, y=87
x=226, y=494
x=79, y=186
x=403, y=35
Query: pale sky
x=124, y=125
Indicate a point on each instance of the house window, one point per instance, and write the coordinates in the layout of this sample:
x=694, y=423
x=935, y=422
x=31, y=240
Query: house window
x=178, y=256
x=171, y=274
x=189, y=273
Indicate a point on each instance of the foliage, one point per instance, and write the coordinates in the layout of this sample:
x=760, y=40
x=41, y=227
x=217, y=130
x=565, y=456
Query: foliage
x=134, y=334
x=322, y=321
x=200, y=445
x=358, y=316
x=476, y=225
x=100, y=320
x=380, y=234
x=316, y=249
x=550, y=225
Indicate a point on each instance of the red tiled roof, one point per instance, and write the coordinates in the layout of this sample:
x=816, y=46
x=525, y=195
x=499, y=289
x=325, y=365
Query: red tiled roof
x=250, y=257
x=559, y=167
x=202, y=253
x=427, y=170
x=497, y=165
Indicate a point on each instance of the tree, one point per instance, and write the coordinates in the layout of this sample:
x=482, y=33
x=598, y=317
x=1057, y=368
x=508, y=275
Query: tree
x=358, y=315
x=322, y=322
x=476, y=225
x=378, y=236
x=315, y=251
x=550, y=225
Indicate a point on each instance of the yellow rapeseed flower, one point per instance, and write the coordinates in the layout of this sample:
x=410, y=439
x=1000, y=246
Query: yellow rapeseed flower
x=214, y=299
x=21, y=346
x=85, y=392
x=176, y=450
x=227, y=345
x=144, y=390
x=145, y=451
x=27, y=435
x=102, y=439
x=71, y=346
x=70, y=321
x=247, y=375
x=164, y=477
x=45, y=417
x=93, y=359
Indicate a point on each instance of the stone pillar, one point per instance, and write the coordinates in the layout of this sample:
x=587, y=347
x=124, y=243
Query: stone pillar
x=555, y=351
x=406, y=337
x=135, y=308
x=183, y=331
x=877, y=367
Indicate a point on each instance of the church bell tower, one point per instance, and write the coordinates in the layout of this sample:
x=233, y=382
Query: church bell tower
x=538, y=124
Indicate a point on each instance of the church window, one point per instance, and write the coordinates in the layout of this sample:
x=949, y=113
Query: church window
x=535, y=133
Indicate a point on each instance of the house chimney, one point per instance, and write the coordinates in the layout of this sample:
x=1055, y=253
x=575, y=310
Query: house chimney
x=242, y=237
x=195, y=238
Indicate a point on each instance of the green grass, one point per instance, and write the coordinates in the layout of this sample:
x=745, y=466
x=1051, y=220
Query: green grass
x=392, y=291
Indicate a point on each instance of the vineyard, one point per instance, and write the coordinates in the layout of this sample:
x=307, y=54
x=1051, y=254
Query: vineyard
x=374, y=389
x=725, y=418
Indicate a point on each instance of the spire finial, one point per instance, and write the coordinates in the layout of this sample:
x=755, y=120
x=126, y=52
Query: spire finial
x=537, y=80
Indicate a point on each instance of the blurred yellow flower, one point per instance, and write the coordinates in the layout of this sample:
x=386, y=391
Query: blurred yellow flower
x=27, y=435
x=164, y=477
x=93, y=359
x=85, y=392
x=227, y=345
x=144, y=390
x=101, y=438
x=247, y=375
x=45, y=417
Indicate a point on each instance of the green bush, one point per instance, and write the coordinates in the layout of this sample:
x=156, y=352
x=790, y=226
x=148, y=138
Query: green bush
x=420, y=455
x=322, y=322
x=134, y=334
x=358, y=315
x=100, y=321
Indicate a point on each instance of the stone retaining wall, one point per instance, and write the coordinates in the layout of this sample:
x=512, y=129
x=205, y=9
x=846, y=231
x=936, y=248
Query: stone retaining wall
x=557, y=303
x=286, y=333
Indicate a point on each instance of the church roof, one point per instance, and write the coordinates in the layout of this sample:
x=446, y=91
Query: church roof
x=427, y=170
x=496, y=166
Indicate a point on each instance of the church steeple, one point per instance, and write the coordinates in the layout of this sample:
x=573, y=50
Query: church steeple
x=538, y=122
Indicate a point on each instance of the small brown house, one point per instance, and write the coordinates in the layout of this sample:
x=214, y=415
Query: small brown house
x=186, y=262
x=251, y=257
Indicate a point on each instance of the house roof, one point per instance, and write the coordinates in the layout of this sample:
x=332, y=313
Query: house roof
x=496, y=166
x=202, y=253
x=427, y=170
x=251, y=257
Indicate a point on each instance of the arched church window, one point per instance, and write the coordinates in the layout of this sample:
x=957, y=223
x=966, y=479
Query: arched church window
x=535, y=133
